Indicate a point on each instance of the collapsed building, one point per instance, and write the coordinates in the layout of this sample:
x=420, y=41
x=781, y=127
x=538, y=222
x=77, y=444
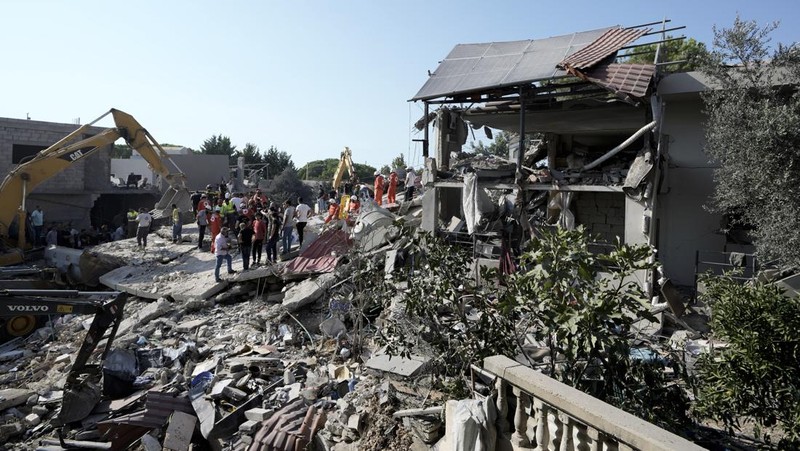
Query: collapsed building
x=614, y=147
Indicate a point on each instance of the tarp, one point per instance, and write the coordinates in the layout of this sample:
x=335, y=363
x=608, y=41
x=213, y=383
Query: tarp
x=474, y=201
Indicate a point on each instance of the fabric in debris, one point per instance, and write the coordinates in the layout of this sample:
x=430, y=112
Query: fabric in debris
x=474, y=201
x=561, y=201
x=640, y=169
x=737, y=259
x=473, y=426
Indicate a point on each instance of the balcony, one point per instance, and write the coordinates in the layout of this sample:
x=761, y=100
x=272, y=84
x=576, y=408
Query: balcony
x=549, y=415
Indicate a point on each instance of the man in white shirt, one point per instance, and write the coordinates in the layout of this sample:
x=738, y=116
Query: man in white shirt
x=37, y=221
x=236, y=200
x=144, y=219
x=411, y=179
x=301, y=212
x=221, y=250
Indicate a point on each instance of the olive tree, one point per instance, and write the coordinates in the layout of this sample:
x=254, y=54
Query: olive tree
x=753, y=134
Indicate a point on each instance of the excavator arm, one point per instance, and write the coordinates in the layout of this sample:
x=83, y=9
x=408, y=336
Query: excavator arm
x=345, y=163
x=82, y=387
x=21, y=180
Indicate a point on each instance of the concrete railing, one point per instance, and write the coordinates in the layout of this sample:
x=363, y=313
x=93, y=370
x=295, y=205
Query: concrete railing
x=550, y=415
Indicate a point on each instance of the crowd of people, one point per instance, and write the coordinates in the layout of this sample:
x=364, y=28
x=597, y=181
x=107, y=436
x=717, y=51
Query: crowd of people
x=258, y=223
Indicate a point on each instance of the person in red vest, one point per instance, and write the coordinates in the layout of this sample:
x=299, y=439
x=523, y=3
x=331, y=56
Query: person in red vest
x=215, y=225
x=378, y=187
x=391, y=195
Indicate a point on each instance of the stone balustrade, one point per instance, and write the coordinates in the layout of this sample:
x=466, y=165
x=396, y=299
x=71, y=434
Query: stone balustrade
x=550, y=415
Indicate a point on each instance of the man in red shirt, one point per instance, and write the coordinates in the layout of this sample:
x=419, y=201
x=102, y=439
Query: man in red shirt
x=260, y=232
x=215, y=225
x=259, y=197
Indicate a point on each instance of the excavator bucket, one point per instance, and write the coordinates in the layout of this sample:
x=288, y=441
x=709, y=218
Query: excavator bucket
x=82, y=389
x=178, y=196
x=79, y=400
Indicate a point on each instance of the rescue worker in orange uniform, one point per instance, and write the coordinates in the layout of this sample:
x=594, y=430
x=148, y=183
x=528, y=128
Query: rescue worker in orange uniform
x=391, y=195
x=333, y=211
x=378, y=187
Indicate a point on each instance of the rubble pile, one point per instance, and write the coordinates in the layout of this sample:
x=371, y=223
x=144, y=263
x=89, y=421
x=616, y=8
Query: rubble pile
x=231, y=368
x=267, y=359
x=263, y=362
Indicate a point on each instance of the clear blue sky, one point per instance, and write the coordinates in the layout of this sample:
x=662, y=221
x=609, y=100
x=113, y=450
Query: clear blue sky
x=308, y=77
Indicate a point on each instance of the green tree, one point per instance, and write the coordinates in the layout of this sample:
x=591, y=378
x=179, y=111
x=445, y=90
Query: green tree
x=756, y=377
x=121, y=151
x=277, y=161
x=578, y=305
x=318, y=169
x=251, y=154
x=583, y=306
x=399, y=162
x=364, y=172
x=753, y=134
x=219, y=145
x=687, y=50
x=287, y=185
x=498, y=146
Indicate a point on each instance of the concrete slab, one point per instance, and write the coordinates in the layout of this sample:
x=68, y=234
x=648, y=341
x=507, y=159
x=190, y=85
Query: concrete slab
x=151, y=311
x=395, y=364
x=307, y=291
x=179, y=432
x=12, y=397
x=190, y=276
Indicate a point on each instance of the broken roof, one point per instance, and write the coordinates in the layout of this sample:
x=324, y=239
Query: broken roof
x=602, y=47
x=475, y=67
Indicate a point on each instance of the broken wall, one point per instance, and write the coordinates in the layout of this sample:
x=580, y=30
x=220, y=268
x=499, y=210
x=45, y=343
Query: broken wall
x=685, y=226
x=602, y=214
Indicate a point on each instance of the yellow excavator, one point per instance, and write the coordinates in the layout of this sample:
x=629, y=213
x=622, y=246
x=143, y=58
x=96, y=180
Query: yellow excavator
x=345, y=162
x=47, y=163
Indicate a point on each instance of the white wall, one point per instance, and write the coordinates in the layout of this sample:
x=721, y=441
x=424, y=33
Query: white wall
x=685, y=226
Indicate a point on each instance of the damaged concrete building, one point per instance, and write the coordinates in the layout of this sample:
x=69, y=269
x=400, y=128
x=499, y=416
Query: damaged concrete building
x=614, y=147
x=70, y=195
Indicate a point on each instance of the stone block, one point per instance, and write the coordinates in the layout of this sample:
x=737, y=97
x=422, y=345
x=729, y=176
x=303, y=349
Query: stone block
x=248, y=427
x=179, y=432
x=32, y=420
x=258, y=414
x=12, y=397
